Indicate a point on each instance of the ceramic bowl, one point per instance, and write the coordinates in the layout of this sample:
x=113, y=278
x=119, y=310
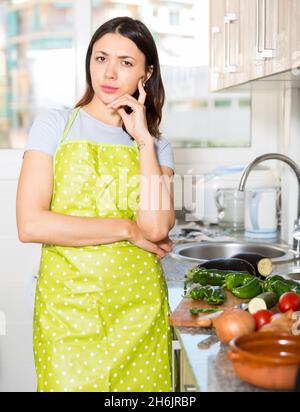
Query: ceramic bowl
x=268, y=360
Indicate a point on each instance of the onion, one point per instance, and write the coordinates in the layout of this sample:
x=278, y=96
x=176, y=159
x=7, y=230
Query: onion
x=233, y=323
x=280, y=322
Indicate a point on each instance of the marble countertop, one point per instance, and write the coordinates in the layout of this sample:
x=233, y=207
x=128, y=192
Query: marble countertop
x=206, y=356
x=212, y=370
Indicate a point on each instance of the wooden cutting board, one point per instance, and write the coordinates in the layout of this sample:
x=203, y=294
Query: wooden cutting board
x=182, y=316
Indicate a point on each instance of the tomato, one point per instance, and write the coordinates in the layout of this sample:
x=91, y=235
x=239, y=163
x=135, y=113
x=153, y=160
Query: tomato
x=262, y=317
x=289, y=301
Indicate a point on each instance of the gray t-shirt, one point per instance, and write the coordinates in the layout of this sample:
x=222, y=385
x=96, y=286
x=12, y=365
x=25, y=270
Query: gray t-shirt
x=48, y=127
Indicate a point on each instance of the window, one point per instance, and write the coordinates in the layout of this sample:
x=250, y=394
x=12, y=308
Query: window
x=42, y=66
x=192, y=117
x=174, y=18
x=37, y=69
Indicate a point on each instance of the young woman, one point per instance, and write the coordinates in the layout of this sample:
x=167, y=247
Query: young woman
x=86, y=194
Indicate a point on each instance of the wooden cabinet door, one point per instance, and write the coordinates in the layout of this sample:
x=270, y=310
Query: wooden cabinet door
x=226, y=51
x=295, y=35
x=187, y=380
x=251, y=39
x=277, y=36
x=270, y=22
x=257, y=14
x=232, y=46
x=252, y=68
x=233, y=43
x=217, y=45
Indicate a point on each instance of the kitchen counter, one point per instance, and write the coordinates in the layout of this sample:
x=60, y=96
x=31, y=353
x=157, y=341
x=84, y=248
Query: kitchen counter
x=206, y=356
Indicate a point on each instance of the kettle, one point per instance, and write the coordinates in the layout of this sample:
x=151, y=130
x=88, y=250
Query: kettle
x=262, y=210
x=230, y=205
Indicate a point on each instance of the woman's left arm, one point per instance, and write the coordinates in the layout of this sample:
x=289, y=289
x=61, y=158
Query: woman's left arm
x=156, y=215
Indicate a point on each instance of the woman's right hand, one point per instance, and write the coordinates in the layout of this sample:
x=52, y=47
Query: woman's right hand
x=160, y=248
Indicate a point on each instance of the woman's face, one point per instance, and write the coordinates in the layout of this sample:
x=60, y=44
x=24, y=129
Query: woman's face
x=116, y=62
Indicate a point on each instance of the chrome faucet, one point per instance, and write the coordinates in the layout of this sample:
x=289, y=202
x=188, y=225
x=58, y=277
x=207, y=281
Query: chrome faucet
x=296, y=169
x=296, y=237
x=296, y=232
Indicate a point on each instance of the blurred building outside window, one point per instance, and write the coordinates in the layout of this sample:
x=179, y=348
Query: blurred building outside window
x=42, y=56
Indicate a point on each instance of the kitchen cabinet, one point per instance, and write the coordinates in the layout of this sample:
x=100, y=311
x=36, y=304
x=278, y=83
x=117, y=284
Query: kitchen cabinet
x=294, y=11
x=183, y=379
x=224, y=42
x=230, y=45
x=233, y=48
x=275, y=18
x=187, y=379
x=258, y=39
x=245, y=43
x=216, y=66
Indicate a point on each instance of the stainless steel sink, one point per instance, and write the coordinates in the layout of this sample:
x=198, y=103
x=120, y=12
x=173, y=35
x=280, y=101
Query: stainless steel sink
x=200, y=252
x=294, y=275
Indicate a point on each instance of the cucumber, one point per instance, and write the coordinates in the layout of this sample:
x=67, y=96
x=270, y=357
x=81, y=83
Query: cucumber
x=262, y=264
x=263, y=301
x=232, y=264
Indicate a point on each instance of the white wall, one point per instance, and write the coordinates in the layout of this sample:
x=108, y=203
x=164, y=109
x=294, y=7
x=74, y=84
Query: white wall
x=265, y=134
x=265, y=126
x=290, y=146
x=18, y=266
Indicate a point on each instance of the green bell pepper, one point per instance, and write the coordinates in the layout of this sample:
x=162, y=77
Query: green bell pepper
x=235, y=280
x=206, y=277
x=279, y=285
x=213, y=295
x=248, y=290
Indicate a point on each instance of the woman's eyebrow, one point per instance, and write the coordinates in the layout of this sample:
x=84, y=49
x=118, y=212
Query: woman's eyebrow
x=120, y=57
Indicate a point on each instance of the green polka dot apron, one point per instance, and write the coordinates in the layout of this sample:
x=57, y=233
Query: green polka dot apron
x=101, y=311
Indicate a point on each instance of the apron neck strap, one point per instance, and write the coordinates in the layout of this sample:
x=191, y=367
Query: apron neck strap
x=136, y=146
x=69, y=125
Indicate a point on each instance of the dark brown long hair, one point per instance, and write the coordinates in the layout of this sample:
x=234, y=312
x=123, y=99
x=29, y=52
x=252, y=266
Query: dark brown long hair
x=136, y=31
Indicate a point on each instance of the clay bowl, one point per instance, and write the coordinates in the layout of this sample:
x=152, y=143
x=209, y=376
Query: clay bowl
x=268, y=360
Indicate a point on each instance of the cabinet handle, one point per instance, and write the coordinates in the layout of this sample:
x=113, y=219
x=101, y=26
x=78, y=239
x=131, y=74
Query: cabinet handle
x=214, y=30
x=268, y=53
x=259, y=53
x=228, y=19
x=264, y=53
x=190, y=388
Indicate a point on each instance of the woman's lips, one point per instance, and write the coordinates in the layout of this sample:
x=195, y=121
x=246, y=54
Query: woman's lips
x=108, y=89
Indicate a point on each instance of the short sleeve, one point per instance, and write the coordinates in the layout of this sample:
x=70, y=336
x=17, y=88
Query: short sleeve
x=165, y=154
x=45, y=132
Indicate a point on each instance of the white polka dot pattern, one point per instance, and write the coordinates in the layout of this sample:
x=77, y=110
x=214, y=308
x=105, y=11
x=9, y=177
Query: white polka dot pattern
x=101, y=312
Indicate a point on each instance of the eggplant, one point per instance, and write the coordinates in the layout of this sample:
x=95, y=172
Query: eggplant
x=262, y=264
x=229, y=264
